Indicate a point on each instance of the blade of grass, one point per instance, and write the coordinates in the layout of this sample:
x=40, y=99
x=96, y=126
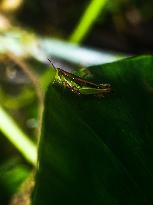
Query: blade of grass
x=17, y=137
x=76, y=54
x=87, y=20
x=50, y=47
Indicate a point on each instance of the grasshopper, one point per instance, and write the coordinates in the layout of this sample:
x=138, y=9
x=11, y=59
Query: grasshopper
x=78, y=85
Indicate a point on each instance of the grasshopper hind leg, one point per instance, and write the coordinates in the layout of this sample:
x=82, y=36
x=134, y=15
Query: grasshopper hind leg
x=71, y=88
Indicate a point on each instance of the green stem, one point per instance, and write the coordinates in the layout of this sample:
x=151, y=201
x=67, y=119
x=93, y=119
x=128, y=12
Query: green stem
x=89, y=17
x=16, y=136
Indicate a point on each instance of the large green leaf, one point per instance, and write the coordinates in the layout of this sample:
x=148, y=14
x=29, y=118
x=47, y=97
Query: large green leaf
x=99, y=151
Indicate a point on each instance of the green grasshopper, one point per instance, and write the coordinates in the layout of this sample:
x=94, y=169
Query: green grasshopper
x=78, y=85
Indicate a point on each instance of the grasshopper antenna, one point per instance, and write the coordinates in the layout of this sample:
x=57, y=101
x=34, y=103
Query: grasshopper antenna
x=51, y=63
